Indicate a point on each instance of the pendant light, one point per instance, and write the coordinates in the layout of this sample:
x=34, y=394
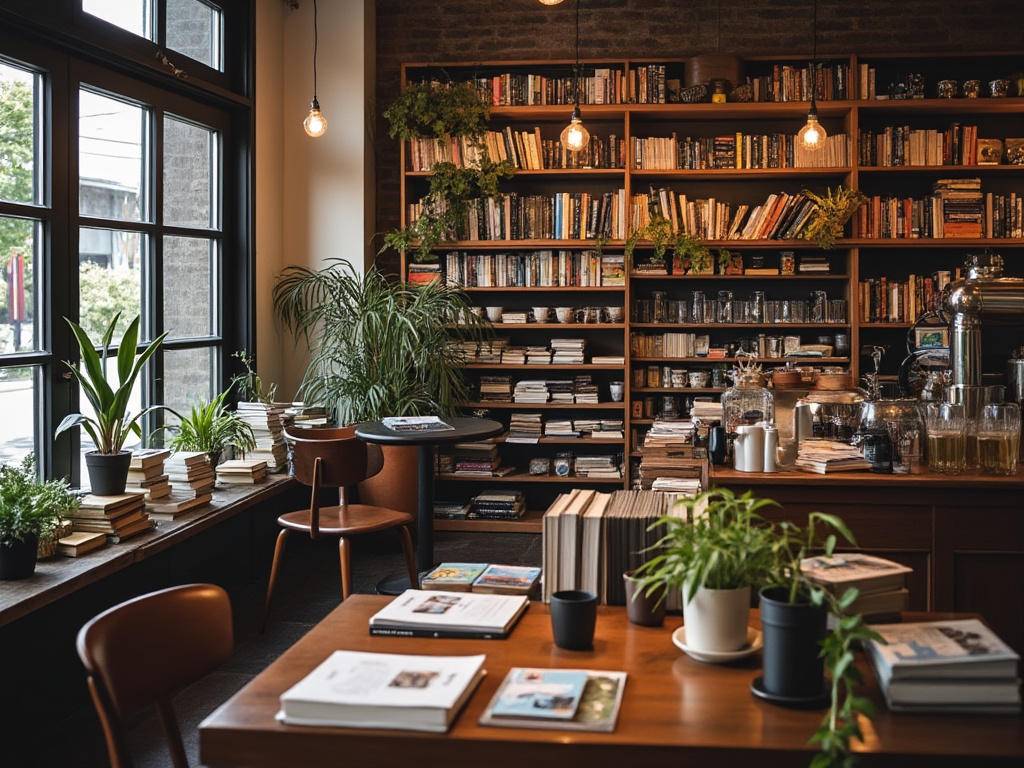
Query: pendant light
x=575, y=136
x=315, y=122
x=812, y=136
x=550, y=2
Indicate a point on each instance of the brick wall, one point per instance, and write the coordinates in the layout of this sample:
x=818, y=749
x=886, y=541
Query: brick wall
x=490, y=30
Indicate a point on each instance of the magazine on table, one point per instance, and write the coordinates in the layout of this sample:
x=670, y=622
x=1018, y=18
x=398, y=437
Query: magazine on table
x=383, y=690
x=414, y=423
x=597, y=709
x=549, y=694
x=434, y=613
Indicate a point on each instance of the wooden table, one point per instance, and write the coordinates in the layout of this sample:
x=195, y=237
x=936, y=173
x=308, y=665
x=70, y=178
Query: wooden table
x=676, y=711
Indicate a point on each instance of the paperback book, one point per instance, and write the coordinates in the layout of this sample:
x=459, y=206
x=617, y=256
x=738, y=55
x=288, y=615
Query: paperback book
x=549, y=694
x=426, y=613
x=596, y=710
x=508, y=580
x=453, y=577
x=414, y=423
x=383, y=690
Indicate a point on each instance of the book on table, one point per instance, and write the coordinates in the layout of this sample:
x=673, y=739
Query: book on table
x=427, y=613
x=597, y=708
x=453, y=577
x=383, y=690
x=414, y=423
x=508, y=580
x=956, y=665
x=879, y=582
x=549, y=694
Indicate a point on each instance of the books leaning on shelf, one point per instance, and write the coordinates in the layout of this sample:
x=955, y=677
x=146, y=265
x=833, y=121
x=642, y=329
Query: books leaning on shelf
x=945, y=666
x=881, y=583
x=383, y=690
x=426, y=613
x=597, y=708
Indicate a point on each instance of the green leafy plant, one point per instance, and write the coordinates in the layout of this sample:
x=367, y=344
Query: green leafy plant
x=723, y=257
x=831, y=212
x=211, y=428
x=112, y=422
x=30, y=506
x=692, y=255
x=437, y=109
x=377, y=349
x=721, y=542
x=250, y=385
x=658, y=231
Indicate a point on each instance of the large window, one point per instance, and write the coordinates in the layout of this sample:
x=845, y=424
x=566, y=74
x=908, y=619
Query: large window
x=145, y=177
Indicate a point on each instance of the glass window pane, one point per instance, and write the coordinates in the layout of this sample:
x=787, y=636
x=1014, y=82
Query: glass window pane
x=188, y=377
x=111, y=157
x=19, y=138
x=189, y=164
x=18, y=391
x=110, y=278
x=18, y=332
x=136, y=16
x=188, y=287
x=193, y=28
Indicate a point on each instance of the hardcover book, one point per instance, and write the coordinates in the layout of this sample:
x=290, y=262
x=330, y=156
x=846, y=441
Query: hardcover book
x=598, y=708
x=867, y=573
x=508, y=579
x=383, y=690
x=426, y=613
x=960, y=648
x=453, y=577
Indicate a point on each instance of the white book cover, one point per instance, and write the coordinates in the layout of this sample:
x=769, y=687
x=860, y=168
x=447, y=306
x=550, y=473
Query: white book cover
x=450, y=611
x=941, y=649
x=383, y=690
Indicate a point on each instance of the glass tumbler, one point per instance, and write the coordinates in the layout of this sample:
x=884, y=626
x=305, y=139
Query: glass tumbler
x=999, y=438
x=946, y=428
x=660, y=299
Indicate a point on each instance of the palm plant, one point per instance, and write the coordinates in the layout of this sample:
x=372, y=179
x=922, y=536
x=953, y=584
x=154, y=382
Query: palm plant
x=211, y=427
x=377, y=349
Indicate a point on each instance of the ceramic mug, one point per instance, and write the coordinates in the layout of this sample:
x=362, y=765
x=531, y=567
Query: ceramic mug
x=541, y=314
x=565, y=314
x=587, y=315
x=494, y=314
x=614, y=314
x=698, y=379
x=616, y=389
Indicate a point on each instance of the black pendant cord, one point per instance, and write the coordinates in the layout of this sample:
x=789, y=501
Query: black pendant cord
x=315, y=44
x=814, y=58
x=576, y=70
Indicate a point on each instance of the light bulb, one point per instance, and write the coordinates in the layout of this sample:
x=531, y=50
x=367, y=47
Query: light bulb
x=575, y=136
x=315, y=122
x=550, y=2
x=812, y=136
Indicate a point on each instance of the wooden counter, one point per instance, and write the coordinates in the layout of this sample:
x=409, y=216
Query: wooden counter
x=962, y=534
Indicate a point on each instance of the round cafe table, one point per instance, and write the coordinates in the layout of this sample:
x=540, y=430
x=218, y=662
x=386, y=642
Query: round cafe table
x=465, y=429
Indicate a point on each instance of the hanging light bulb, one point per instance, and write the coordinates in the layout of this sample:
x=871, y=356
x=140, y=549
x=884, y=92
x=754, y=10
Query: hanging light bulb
x=315, y=122
x=575, y=136
x=550, y=2
x=812, y=136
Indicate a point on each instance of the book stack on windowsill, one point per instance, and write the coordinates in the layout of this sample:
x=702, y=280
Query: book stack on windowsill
x=241, y=471
x=945, y=666
x=192, y=483
x=880, y=583
x=118, y=517
x=146, y=473
x=267, y=422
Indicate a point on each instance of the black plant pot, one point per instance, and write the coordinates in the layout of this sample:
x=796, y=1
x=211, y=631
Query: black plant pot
x=18, y=559
x=794, y=673
x=108, y=472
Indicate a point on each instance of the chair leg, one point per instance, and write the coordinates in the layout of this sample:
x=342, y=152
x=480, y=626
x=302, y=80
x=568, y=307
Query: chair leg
x=410, y=556
x=172, y=733
x=345, y=555
x=282, y=539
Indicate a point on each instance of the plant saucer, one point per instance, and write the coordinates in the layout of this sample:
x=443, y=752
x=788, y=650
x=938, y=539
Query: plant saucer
x=753, y=645
x=796, y=702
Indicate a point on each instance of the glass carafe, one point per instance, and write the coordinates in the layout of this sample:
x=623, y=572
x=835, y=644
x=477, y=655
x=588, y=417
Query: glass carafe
x=748, y=401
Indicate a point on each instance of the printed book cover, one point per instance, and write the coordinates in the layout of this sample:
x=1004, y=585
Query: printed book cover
x=458, y=577
x=507, y=579
x=598, y=708
x=941, y=649
x=540, y=693
x=449, y=614
x=855, y=569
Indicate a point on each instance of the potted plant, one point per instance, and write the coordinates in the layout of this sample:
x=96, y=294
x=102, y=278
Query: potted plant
x=30, y=508
x=831, y=212
x=111, y=422
x=799, y=648
x=211, y=428
x=250, y=385
x=715, y=553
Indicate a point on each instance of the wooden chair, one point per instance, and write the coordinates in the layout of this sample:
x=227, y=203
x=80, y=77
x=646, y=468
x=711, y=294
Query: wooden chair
x=142, y=651
x=336, y=458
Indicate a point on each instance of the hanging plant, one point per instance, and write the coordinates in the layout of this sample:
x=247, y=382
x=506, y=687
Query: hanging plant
x=831, y=211
x=438, y=110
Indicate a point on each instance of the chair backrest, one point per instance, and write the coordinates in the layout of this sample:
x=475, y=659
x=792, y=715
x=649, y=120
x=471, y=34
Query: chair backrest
x=142, y=651
x=345, y=459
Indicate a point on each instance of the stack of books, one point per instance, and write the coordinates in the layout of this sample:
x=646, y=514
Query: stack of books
x=531, y=391
x=497, y=505
x=598, y=467
x=484, y=577
x=476, y=459
x=146, y=473
x=117, y=517
x=560, y=428
x=962, y=208
x=538, y=355
x=670, y=461
x=242, y=471
x=584, y=389
x=428, y=613
x=192, y=483
x=881, y=583
x=945, y=666
x=826, y=456
x=561, y=390
x=568, y=351
x=268, y=429
x=524, y=428
x=79, y=542
x=450, y=510
x=496, y=389
x=807, y=264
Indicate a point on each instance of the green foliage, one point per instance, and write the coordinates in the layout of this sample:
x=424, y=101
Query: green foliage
x=112, y=423
x=377, y=349
x=104, y=293
x=688, y=250
x=720, y=543
x=793, y=544
x=211, y=427
x=250, y=385
x=16, y=163
x=832, y=211
x=30, y=506
x=441, y=110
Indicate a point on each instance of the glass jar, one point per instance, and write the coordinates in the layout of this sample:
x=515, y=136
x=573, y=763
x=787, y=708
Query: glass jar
x=660, y=299
x=748, y=401
x=903, y=422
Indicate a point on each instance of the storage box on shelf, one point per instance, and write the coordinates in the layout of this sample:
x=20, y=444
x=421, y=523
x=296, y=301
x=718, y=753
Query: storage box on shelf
x=732, y=175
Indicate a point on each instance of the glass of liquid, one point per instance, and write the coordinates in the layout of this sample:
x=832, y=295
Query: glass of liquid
x=946, y=430
x=999, y=438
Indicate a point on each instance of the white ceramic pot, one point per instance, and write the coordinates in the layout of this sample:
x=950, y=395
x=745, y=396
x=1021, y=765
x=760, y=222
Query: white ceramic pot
x=716, y=619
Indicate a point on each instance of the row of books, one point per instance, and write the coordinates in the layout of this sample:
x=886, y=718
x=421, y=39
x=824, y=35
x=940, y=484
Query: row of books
x=525, y=150
x=890, y=300
x=796, y=83
x=504, y=389
x=534, y=269
x=596, y=85
x=737, y=150
x=484, y=577
x=668, y=344
x=901, y=145
x=985, y=215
